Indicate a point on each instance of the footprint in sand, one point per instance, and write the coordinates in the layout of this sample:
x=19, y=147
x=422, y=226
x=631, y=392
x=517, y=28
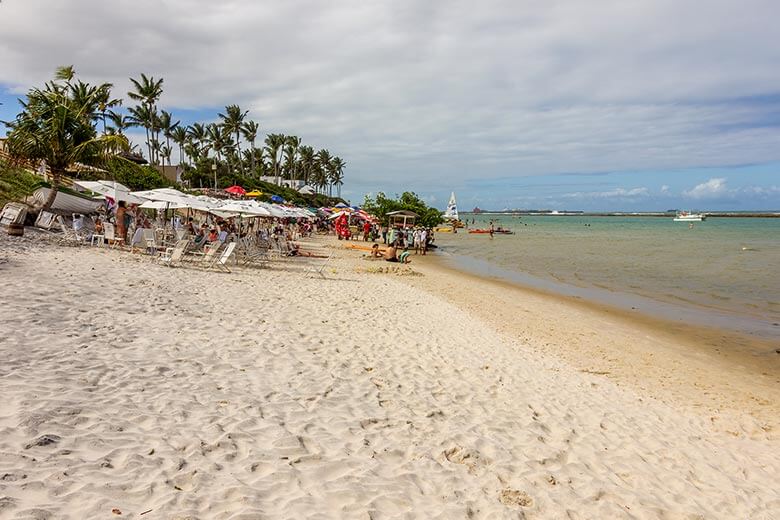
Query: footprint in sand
x=514, y=498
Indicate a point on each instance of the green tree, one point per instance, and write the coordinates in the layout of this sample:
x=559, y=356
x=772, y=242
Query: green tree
x=380, y=205
x=148, y=91
x=249, y=129
x=274, y=144
x=232, y=120
x=56, y=126
x=337, y=173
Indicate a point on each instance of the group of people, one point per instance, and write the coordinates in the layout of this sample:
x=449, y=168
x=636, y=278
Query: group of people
x=403, y=239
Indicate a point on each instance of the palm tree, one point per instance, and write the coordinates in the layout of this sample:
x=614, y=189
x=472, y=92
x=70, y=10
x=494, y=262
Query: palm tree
x=105, y=102
x=275, y=146
x=219, y=141
x=232, y=120
x=179, y=136
x=120, y=122
x=337, y=175
x=166, y=151
x=250, y=129
x=148, y=92
x=306, y=160
x=292, y=143
x=323, y=172
x=57, y=128
x=141, y=115
x=167, y=125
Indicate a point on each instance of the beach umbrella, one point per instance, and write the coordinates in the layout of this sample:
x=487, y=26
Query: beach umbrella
x=111, y=189
x=245, y=208
x=277, y=198
x=174, y=197
x=254, y=193
x=341, y=205
x=156, y=204
x=236, y=190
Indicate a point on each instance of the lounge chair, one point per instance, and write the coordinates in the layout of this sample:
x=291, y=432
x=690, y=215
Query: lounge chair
x=173, y=255
x=211, y=255
x=221, y=262
x=318, y=268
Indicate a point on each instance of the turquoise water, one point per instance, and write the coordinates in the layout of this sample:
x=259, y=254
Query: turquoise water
x=723, y=271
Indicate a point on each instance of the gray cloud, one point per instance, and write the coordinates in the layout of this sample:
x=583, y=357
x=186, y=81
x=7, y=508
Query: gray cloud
x=432, y=93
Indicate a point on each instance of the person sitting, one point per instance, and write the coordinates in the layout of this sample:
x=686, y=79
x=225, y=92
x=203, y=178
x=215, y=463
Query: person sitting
x=213, y=236
x=390, y=253
x=375, y=253
x=404, y=256
x=98, y=226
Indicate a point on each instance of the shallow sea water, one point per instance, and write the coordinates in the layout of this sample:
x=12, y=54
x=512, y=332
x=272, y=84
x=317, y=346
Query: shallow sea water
x=723, y=271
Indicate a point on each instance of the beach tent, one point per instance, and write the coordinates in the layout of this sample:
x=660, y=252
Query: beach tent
x=112, y=189
x=236, y=190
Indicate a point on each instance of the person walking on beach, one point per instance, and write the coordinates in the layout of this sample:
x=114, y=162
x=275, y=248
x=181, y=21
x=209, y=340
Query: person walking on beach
x=121, y=221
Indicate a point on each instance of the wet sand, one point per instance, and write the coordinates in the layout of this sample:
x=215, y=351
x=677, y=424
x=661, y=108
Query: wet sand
x=731, y=378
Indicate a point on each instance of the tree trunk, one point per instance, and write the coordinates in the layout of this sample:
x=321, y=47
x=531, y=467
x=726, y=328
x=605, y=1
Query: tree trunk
x=55, y=186
x=254, y=170
x=240, y=159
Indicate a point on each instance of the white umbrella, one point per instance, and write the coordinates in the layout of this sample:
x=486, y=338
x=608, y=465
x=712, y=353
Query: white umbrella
x=112, y=189
x=172, y=196
x=158, y=204
x=245, y=208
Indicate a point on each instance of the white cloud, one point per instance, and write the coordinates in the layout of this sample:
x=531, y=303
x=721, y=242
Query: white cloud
x=665, y=189
x=418, y=93
x=712, y=189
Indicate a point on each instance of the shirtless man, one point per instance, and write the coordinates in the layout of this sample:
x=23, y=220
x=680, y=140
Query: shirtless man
x=390, y=254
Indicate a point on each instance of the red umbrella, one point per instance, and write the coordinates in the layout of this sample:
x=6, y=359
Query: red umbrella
x=236, y=190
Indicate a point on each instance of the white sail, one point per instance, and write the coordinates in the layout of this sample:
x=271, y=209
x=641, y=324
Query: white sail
x=452, y=209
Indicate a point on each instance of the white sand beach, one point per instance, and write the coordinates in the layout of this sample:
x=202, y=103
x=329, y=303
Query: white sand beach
x=133, y=390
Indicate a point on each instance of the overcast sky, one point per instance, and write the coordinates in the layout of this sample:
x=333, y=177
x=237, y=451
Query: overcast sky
x=622, y=104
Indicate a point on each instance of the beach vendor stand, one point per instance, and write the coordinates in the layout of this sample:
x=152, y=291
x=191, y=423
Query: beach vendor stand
x=402, y=218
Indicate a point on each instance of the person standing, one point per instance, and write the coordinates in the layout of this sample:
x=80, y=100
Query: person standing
x=121, y=221
x=424, y=240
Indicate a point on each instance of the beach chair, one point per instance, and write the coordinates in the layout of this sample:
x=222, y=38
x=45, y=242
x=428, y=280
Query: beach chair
x=221, y=262
x=45, y=220
x=318, y=268
x=211, y=255
x=150, y=239
x=173, y=255
x=109, y=235
x=68, y=231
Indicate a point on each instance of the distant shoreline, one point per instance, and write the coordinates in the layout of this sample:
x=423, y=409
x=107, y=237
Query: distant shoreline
x=711, y=214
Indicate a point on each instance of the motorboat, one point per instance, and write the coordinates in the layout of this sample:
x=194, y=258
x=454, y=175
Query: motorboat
x=686, y=216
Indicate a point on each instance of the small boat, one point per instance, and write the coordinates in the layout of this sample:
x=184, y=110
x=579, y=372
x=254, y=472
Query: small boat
x=685, y=216
x=66, y=202
x=497, y=231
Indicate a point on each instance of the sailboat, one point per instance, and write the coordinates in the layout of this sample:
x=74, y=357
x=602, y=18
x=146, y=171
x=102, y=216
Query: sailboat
x=450, y=215
x=452, y=209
